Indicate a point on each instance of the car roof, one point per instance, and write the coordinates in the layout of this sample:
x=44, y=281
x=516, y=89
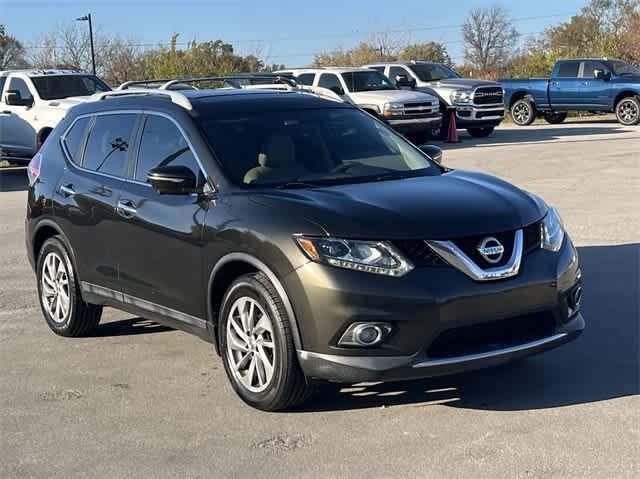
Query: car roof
x=219, y=99
x=327, y=70
x=406, y=62
x=30, y=72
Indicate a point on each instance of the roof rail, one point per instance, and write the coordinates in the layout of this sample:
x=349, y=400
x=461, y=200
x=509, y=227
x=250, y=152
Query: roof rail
x=175, y=96
x=236, y=80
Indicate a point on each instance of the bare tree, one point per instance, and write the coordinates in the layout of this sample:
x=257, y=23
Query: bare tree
x=489, y=38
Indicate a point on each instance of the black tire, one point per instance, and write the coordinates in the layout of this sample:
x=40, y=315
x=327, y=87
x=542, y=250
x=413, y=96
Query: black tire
x=287, y=386
x=441, y=132
x=481, y=132
x=523, y=112
x=80, y=318
x=554, y=117
x=628, y=111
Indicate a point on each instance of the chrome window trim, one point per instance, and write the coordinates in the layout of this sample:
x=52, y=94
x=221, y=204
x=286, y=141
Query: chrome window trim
x=128, y=112
x=453, y=255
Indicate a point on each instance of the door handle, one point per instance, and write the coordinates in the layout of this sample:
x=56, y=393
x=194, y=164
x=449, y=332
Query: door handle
x=5, y=112
x=67, y=191
x=126, y=208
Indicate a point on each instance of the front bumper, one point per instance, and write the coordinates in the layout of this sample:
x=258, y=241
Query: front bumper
x=424, y=305
x=409, y=123
x=479, y=116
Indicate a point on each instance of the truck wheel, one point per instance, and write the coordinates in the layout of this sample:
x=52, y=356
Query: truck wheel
x=257, y=346
x=628, y=111
x=480, y=132
x=59, y=293
x=554, y=117
x=523, y=112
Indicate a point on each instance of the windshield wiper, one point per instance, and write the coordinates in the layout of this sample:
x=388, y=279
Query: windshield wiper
x=296, y=184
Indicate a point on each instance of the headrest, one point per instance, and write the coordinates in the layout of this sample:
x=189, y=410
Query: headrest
x=277, y=152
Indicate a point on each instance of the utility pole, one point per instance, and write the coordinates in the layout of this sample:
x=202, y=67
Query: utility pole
x=87, y=18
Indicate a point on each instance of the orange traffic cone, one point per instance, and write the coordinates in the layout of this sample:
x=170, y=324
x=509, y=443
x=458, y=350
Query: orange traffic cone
x=452, y=134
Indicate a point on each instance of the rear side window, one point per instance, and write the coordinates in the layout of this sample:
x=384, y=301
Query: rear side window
x=330, y=81
x=568, y=70
x=108, y=144
x=162, y=144
x=74, y=139
x=306, y=78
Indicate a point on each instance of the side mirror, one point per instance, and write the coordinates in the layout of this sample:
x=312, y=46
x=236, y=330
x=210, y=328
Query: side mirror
x=337, y=90
x=172, y=180
x=601, y=75
x=432, y=152
x=405, y=81
x=13, y=98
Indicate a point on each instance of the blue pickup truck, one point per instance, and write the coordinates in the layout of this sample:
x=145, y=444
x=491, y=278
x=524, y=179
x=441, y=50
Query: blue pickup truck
x=589, y=84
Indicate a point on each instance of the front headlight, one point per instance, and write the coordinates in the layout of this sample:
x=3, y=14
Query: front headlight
x=552, y=230
x=379, y=257
x=461, y=96
x=391, y=109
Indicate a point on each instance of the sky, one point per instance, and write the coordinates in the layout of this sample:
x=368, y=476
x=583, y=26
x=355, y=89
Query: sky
x=281, y=31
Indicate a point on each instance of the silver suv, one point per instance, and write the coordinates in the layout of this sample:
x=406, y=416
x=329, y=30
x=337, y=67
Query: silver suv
x=479, y=104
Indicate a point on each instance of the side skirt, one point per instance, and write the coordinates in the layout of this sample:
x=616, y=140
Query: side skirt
x=96, y=294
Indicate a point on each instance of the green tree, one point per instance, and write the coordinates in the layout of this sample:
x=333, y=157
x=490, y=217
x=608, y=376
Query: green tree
x=11, y=51
x=431, y=51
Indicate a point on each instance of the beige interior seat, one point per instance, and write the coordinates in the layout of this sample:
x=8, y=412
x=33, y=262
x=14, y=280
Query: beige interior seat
x=277, y=162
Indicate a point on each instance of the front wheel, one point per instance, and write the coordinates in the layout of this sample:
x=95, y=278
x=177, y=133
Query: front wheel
x=257, y=346
x=523, y=112
x=554, y=117
x=628, y=111
x=480, y=132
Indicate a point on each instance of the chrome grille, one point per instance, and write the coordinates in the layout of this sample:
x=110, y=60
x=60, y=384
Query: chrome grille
x=488, y=95
x=420, y=108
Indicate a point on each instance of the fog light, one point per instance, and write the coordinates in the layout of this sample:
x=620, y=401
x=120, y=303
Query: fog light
x=573, y=301
x=364, y=334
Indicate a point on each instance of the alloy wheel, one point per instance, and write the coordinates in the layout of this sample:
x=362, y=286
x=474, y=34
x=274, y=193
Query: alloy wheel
x=250, y=344
x=521, y=113
x=55, y=287
x=628, y=112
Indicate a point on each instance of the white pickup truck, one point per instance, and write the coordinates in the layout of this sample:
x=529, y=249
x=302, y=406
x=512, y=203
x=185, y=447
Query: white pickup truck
x=32, y=102
x=413, y=113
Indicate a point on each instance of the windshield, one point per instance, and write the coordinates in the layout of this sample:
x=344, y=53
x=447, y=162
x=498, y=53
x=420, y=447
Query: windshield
x=311, y=147
x=432, y=71
x=367, y=81
x=55, y=87
x=623, y=68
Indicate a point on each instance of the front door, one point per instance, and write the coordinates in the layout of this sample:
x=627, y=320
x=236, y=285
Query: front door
x=158, y=238
x=595, y=91
x=17, y=135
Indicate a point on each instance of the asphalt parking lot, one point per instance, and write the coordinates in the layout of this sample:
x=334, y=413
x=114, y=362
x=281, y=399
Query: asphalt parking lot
x=141, y=400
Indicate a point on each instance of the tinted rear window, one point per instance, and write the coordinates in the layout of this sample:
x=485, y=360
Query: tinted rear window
x=74, y=139
x=568, y=70
x=108, y=144
x=55, y=87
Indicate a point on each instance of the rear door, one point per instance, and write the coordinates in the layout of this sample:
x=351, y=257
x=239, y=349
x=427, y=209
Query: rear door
x=157, y=239
x=595, y=91
x=98, y=150
x=565, y=87
x=17, y=134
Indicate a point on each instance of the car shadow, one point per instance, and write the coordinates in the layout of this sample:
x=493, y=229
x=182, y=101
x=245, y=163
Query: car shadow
x=557, y=134
x=128, y=327
x=13, y=179
x=603, y=363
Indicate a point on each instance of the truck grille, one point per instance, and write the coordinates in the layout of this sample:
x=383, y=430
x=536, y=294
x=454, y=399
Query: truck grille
x=488, y=95
x=420, y=108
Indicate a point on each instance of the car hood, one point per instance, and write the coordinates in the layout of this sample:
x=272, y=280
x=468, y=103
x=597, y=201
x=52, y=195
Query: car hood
x=389, y=96
x=66, y=103
x=452, y=205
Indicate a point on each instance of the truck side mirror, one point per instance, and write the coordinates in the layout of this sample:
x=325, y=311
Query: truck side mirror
x=432, y=152
x=14, y=98
x=405, y=81
x=602, y=75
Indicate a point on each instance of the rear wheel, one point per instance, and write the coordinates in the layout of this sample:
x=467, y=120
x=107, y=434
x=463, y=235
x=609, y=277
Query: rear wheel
x=555, y=117
x=523, y=112
x=59, y=293
x=480, y=132
x=257, y=346
x=628, y=111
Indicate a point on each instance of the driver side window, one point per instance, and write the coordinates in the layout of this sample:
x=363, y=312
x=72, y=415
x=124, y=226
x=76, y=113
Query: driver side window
x=20, y=85
x=395, y=71
x=330, y=81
